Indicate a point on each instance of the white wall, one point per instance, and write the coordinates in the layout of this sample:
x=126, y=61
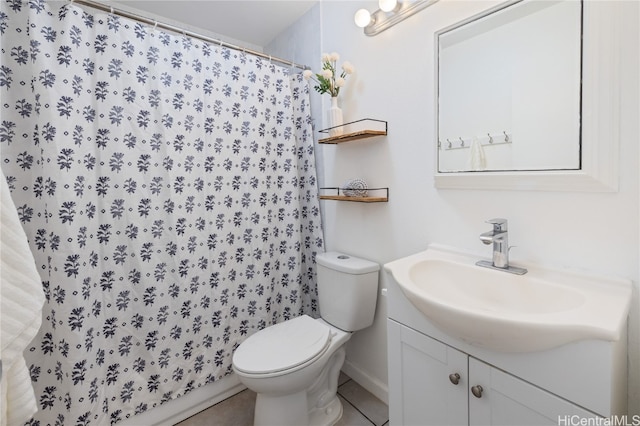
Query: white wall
x=394, y=81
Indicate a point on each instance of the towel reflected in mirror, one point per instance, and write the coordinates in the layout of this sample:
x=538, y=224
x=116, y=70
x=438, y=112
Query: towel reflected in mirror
x=477, y=159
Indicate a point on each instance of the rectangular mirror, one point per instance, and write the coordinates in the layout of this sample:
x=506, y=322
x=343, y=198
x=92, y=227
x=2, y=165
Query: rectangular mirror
x=509, y=89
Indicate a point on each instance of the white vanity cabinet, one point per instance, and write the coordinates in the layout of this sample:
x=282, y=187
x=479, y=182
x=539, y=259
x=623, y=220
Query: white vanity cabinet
x=578, y=381
x=420, y=392
x=431, y=383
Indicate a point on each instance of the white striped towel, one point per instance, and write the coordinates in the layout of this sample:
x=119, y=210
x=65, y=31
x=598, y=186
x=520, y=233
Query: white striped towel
x=21, y=300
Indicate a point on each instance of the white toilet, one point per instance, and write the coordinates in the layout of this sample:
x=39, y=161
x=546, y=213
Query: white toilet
x=293, y=366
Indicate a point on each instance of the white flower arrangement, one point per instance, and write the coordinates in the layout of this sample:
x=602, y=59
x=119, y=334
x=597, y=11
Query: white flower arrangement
x=328, y=79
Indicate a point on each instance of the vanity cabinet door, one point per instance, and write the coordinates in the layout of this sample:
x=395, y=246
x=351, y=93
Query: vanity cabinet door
x=508, y=400
x=427, y=380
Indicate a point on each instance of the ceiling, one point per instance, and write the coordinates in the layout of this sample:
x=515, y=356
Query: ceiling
x=256, y=22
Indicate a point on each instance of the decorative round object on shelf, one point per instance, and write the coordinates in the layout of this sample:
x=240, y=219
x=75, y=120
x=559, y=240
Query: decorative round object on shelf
x=355, y=188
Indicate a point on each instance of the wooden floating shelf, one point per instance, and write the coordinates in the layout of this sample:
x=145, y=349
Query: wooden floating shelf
x=354, y=130
x=368, y=199
x=355, y=199
x=352, y=136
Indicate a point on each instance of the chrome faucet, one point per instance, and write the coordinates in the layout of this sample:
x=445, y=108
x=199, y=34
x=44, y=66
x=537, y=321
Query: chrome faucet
x=499, y=237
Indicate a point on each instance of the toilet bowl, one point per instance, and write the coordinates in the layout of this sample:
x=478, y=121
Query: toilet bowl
x=294, y=366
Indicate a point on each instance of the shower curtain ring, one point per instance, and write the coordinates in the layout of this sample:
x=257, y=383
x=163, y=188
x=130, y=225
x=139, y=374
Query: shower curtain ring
x=112, y=10
x=155, y=24
x=490, y=138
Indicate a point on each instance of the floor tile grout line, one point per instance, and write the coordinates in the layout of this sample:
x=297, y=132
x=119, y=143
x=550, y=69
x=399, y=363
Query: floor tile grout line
x=357, y=409
x=386, y=423
x=344, y=383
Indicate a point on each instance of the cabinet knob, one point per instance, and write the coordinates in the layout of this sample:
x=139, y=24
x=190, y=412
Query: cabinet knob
x=477, y=391
x=454, y=378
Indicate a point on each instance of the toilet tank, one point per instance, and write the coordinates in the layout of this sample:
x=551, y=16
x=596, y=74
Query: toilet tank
x=347, y=290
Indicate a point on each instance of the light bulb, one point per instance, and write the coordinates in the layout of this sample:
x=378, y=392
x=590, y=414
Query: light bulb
x=387, y=5
x=362, y=18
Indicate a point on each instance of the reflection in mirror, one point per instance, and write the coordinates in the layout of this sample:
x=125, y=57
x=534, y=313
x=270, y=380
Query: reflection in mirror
x=509, y=89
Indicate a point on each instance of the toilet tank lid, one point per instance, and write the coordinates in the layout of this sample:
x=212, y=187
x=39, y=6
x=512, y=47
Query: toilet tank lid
x=346, y=263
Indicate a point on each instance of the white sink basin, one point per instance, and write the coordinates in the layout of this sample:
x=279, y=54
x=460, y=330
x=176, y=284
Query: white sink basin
x=500, y=311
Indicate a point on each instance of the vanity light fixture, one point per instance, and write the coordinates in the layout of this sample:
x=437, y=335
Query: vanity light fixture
x=390, y=13
x=363, y=18
x=388, y=5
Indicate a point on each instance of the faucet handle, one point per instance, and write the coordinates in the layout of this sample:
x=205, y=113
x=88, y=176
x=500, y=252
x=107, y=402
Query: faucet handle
x=499, y=224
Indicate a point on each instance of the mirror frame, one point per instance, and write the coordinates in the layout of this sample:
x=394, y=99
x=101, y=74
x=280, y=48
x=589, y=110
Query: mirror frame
x=600, y=116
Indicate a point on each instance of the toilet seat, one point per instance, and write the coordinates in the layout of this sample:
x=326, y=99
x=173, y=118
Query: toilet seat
x=283, y=347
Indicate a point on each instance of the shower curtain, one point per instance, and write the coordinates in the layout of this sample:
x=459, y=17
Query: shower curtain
x=168, y=190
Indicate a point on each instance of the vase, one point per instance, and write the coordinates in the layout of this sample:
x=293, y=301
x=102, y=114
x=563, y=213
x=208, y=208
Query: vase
x=334, y=118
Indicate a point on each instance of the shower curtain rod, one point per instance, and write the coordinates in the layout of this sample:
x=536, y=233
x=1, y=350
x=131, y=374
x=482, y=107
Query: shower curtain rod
x=157, y=24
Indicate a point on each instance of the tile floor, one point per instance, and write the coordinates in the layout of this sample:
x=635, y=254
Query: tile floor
x=360, y=408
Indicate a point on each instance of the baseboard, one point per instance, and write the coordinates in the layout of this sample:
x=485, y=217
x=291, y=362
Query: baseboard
x=370, y=383
x=182, y=408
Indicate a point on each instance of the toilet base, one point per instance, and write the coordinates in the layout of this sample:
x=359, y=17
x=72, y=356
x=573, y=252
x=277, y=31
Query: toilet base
x=328, y=416
x=284, y=410
x=269, y=411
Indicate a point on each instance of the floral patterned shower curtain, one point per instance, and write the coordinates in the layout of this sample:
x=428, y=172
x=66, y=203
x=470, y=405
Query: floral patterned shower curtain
x=168, y=190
